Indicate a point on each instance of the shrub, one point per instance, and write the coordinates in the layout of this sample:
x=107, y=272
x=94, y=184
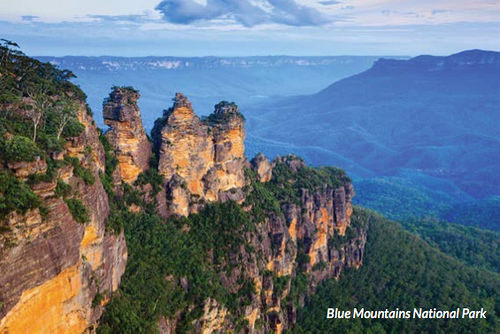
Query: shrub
x=84, y=173
x=15, y=195
x=73, y=129
x=78, y=210
x=152, y=177
x=20, y=148
x=62, y=189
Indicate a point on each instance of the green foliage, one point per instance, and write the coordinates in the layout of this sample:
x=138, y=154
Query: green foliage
x=73, y=129
x=126, y=88
x=402, y=271
x=84, y=173
x=196, y=248
x=298, y=287
x=98, y=298
x=15, y=195
x=79, y=212
x=476, y=247
x=62, y=189
x=50, y=143
x=111, y=160
x=287, y=184
x=260, y=198
x=400, y=199
x=21, y=73
x=484, y=213
x=224, y=117
x=20, y=148
x=280, y=283
x=152, y=177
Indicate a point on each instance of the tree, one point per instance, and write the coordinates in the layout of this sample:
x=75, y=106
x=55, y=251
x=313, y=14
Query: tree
x=7, y=47
x=66, y=114
x=41, y=103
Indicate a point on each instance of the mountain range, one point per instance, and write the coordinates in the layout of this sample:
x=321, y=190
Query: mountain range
x=246, y=80
x=424, y=129
x=432, y=122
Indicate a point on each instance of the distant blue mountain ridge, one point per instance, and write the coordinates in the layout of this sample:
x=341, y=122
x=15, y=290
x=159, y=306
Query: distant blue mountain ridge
x=206, y=80
x=431, y=121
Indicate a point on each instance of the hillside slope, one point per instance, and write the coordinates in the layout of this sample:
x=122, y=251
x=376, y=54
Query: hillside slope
x=402, y=271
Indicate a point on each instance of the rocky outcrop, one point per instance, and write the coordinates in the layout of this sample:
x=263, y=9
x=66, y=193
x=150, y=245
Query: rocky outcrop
x=310, y=239
x=306, y=244
x=205, y=156
x=304, y=237
x=23, y=169
x=54, y=267
x=262, y=167
x=127, y=136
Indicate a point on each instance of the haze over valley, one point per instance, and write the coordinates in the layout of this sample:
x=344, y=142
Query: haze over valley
x=422, y=128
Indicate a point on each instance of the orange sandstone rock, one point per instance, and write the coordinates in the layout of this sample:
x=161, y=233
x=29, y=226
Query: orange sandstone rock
x=131, y=145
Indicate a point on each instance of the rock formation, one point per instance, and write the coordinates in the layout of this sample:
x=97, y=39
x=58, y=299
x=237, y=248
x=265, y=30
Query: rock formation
x=131, y=145
x=205, y=156
x=52, y=267
x=263, y=167
x=307, y=242
x=69, y=269
x=308, y=239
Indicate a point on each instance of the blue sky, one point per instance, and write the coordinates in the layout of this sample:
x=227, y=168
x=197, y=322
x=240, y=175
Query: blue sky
x=250, y=27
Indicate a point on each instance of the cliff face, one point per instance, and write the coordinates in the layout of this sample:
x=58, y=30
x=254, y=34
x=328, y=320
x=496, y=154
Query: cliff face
x=52, y=266
x=301, y=240
x=308, y=239
x=131, y=145
x=286, y=227
x=200, y=159
x=308, y=242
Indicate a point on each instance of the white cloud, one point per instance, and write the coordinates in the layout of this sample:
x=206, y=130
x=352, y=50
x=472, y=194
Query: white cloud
x=227, y=14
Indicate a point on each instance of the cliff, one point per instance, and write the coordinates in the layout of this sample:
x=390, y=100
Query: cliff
x=298, y=245
x=295, y=232
x=55, y=269
x=127, y=136
x=253, y=240
x=214, y=243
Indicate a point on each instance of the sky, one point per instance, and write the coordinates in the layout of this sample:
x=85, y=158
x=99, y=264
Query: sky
x=250, y=27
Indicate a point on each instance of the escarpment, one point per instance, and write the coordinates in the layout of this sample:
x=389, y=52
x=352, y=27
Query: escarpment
x=214, y=243
x=299, y=233
x=58, y=263
x=289, y=224
x=130, y=143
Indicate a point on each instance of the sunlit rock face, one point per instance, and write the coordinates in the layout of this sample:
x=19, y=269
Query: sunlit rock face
x=53, y=267
x=263, y=167
x=206, y=156
x=127, y=136
x=312, y=239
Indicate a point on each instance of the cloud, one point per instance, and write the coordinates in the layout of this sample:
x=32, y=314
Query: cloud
x=120, y=18
x=29, y=18
x=245, y=12
x=329, y=2
x=439, y=11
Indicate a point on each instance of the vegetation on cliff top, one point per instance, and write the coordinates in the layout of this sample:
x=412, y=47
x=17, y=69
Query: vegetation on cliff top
x=38, y=112
x=288, y=183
